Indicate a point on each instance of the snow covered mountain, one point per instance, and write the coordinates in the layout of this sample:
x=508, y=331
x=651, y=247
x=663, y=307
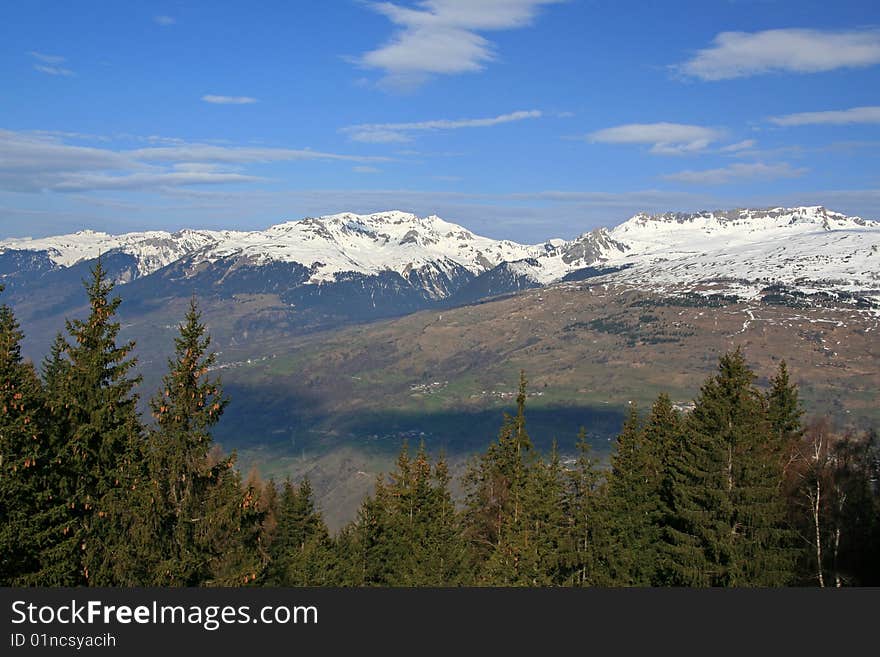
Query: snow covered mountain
x=394, y=262
x=152, y=249
x=742, y=251
x=369, y=244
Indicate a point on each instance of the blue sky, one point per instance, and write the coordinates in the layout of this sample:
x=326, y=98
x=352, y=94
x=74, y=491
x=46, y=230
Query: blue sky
x=522, y=119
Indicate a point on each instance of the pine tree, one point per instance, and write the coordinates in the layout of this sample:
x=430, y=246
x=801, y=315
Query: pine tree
x=196, y=501
x=301, y=552
x=497, y=521
x=583, y=515
x=727, y=523
x=369, y=547
x=407, y=533
x=543, y=529
x=448, y=554
x=662, y=437
x=229, y=534
x=784, y=410
x=25, y=459
x=427, y=525
x=55, y=364
x=633, y=507
x=92, y=401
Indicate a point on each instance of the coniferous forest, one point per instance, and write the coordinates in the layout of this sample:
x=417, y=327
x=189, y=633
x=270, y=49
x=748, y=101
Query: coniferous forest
x=741, y=491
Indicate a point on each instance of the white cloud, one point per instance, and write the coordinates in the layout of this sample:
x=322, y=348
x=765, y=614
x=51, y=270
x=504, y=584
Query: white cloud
x=375, y=135
x=665, y=138
x=240, y=154
x=200, y=167
x=46, y=59
x=53, y=70
x=737, y=171
x=31, y=162
x=441, y=37
x=399, y=132
x=738, y=146
x=68, y=135
x=743, y=54
x=229, y=100
x=24, y=153
x=90, y=182
x=164, y=20
x=49, y=64
x=869, y=114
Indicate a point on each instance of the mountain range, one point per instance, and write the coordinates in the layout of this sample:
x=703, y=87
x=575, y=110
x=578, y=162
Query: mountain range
x=347, y=267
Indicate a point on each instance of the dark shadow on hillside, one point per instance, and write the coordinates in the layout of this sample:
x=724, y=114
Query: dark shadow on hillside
x=284, y=421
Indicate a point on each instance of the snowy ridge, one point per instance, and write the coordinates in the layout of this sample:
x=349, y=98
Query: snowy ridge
x=152, y=249
x=370, y=244
x=741, y=251
x=808, y=247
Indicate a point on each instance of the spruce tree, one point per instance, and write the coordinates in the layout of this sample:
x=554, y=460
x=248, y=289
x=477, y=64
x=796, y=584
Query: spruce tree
x=229, y=534
x=637, y=496
x=369, y=547
x=543, y=531
x=662, y=437
x=196, y=498
x=55, y=364
x=429, y=526
x=447, y=556
x=92, y=401
x=626, y=505
x=497, y=521
x=301, y=552
x=784, y=410
x=727, y=522
x=25, y=459
x=407, y=533
x=583, y=515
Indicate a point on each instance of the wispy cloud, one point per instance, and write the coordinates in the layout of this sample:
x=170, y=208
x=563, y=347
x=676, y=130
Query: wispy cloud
x=52, y=70
x=799, y=151
x=164, y=20
x=147, y=181
x=402, y=132
x=738, y=146
x=736, y=172
x=441, y=37
x=229, y=100
x=46, y=59
x=743, y=54
x=49, y=64
x=664, y=138
x=64, y=134
x=241, y=154
x=31, y=162
x=869, y=114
